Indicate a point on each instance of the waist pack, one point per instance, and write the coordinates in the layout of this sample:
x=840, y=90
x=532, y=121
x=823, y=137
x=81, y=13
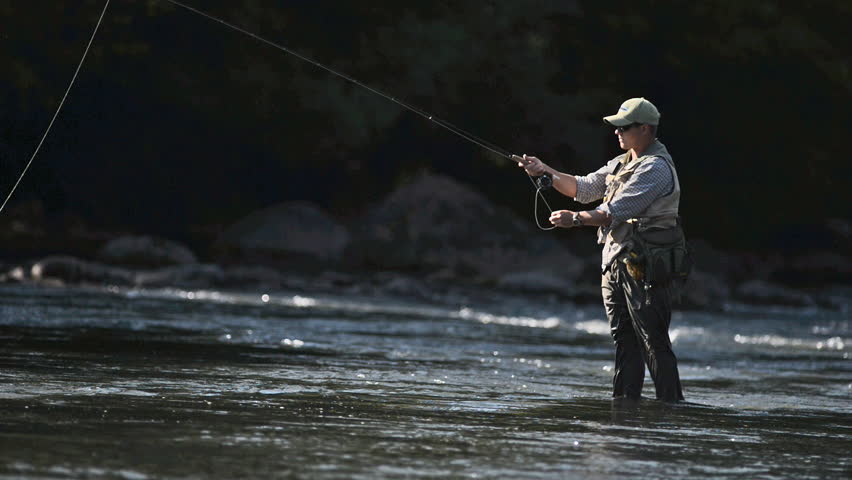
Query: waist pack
x=660, y=256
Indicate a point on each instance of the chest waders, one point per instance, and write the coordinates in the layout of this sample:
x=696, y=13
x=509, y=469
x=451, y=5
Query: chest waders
x=637, y=285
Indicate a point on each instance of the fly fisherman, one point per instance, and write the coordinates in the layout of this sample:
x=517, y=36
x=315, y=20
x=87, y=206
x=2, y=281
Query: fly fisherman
x=643, y=247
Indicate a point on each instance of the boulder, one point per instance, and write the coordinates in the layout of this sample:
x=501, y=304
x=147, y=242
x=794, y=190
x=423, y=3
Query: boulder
x=252, y=276
x=435, y=223
x=814, y=269
x=405, y=286
x=705, y=290
x=296, y=231
x=65, y=269
x=537, y=281
x=146, y=252
x=841, y=233
x=182, y=276
x=734, y=267
x=833, y=234
x=836, y=297
x=714, y=261
x=766, y=293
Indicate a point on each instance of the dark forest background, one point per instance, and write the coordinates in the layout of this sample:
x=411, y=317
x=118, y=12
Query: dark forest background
x=178, y=125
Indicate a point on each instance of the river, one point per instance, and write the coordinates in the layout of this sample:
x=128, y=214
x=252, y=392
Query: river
x=143, y=384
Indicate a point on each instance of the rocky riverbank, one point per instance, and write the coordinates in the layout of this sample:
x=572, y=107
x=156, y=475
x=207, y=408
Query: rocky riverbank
x=433, y=238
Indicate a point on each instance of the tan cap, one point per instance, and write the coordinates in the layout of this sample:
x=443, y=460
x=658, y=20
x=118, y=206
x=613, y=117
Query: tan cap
x=635, y=110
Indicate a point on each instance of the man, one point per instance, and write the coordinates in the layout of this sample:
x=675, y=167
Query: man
x=640, y=191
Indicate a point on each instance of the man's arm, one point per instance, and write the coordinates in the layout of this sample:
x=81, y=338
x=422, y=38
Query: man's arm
x=595, y=218
x=650, y=181
x=588, y=218
x=564, y=183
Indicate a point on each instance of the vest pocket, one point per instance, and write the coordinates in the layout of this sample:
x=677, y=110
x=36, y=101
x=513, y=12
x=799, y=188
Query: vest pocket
x=665, y=255
x=669, y=263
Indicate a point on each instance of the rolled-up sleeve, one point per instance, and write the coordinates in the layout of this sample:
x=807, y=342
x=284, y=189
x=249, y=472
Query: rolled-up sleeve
x=651, y=180
x=592, y=187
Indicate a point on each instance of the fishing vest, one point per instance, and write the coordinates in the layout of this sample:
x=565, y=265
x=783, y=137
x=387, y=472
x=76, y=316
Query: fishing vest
x=662, y=213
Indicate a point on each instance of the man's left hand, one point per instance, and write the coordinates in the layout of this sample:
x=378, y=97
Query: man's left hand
x=562, y=218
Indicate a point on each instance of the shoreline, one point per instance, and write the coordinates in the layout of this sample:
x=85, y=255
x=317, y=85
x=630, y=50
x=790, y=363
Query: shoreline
x=701, y=294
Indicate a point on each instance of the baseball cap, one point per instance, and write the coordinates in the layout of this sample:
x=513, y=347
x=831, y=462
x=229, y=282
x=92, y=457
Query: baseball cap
x=635, y=110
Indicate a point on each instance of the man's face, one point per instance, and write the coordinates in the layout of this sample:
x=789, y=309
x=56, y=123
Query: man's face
x=628, y=135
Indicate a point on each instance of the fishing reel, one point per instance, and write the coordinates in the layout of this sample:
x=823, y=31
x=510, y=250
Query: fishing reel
x=543, y=182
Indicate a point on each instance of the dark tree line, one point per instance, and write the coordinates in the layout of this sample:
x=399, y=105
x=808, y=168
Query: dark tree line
x=177, y=121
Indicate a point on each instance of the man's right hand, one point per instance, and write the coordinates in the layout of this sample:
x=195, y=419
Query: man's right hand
x=532, y=165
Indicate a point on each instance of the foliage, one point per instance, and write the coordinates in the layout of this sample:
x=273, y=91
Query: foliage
x=180, y=120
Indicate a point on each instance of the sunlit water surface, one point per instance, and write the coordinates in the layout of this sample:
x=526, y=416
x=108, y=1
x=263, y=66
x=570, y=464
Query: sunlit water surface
x=175, y=384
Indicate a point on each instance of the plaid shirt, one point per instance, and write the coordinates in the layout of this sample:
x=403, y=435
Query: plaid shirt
x=651, y=180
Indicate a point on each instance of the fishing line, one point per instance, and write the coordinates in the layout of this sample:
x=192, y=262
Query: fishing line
x=428, y=116
x=58, y=109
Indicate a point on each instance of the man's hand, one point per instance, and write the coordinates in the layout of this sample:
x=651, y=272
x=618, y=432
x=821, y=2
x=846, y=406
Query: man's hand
x=532, y=165
x=562, y=218
x=563, y=183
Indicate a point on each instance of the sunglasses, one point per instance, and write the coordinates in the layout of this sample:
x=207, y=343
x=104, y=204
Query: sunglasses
x=627, y=127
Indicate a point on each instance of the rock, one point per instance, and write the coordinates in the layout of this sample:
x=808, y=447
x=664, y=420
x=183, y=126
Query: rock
x=146, y=252
x=586, y=292
x=733, y=267
x=405, y=286
x=67, y=269
x=333, y=279
x=833, y=234
x=712, y=260
x=765, y=293
x=296, y=231
x=434, y=223
x=252, y=277
x=182, y=276
x=706, y=291
x=814, y=269
x=836, y=297
x=15, y=275
x=841, y=232
x=541, y=281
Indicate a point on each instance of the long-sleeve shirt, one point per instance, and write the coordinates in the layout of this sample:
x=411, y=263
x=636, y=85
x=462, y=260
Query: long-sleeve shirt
x=651, y=180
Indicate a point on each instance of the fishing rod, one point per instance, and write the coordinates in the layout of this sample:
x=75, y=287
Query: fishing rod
x=540, y=183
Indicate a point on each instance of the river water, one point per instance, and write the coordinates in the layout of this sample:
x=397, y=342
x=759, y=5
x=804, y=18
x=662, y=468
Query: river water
x=143, y=384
